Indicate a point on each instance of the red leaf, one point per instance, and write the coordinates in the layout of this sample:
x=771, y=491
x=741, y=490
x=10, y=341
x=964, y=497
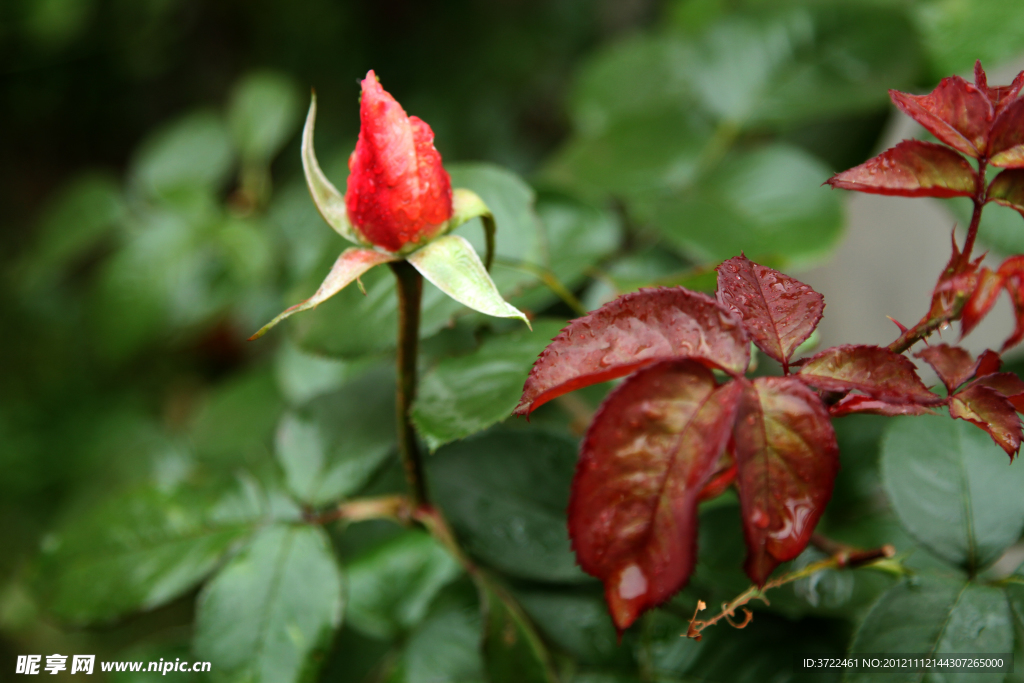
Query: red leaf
x=993, y=412
x=1006, y=141
x=873, y=370
x=779, y=312
x=719, y=482
x=911, y=169
x=1001, y=95
x=989, y=362
x=1012, y=272
x=953, y=365
x=859, y=403
x=633, y=331
x=956, y=112
x=982, y=299
x=1006, y=383
x=649, y=452
x=1007, y=189
x=787, y=456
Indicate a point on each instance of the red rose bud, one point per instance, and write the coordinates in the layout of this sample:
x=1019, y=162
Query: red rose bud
x=398, y=192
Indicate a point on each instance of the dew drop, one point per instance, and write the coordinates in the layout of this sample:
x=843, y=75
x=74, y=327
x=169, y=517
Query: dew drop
x=632, y=582
x=759, y=518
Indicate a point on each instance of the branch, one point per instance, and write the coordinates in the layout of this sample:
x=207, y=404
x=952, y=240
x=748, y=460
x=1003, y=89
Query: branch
x=396, y=508
x=845, y=557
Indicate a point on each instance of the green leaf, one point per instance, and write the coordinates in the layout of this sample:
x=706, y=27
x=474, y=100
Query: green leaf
x=305, y=236
x=452, y=265
x=576, y=622
x=270, y=613
x=194, y=151
x=780, y=67
x=638, y=158
x=661, y=649
x=331, y=447
x=957, y=32
x=391, y=586
x=952, y=488
x=505, y=493
x=732, y=64
x=130, y=300
x=934, y=616
x=640, y=74
x=467, y=394
x=302, y=376
x=853, y=54
x=767, y=649
x=444, y=648
x=235, y=423
x=77, y=220
x=142, y=549
x=262, y=114
x=824, y=60
x=579, y=235
x=513, y=652
x=767, y=203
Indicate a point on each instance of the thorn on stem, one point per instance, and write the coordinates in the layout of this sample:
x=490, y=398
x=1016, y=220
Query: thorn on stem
x=903, y=328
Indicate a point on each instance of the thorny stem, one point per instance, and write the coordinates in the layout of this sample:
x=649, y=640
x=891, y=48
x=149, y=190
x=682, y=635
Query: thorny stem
x=846, y=558
x=917, y=333
x=928, y=325
x=979, y=202
x=410, y=293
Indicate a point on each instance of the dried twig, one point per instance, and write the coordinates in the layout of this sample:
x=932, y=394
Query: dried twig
x=842, y=557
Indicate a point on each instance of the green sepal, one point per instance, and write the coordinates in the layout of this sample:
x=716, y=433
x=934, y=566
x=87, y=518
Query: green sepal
x=352, y=263
x=453, y=266
x=467, y=205
x=328, y=200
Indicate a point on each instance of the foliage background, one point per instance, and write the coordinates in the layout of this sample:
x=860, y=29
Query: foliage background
x=153, y=216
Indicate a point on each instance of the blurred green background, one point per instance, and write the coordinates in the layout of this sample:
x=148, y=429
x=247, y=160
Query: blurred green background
x=153, y=215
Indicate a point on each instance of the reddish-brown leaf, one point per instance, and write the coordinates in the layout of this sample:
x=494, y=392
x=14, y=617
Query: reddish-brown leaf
x=1007, y=189
x=1006, y=141
x=859, y=403
x=719, y=482
x=953, y=365
x=649, y=452
x=872, y=370
x=787, y=457
x=911, y=169
x=1001, y=95
x=779, y=312
x=1012, y=272
x=633, y=331
x=993, y=412
x=956, y=112
x=1006, y=383
x=989, y=363
x=981, y=301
